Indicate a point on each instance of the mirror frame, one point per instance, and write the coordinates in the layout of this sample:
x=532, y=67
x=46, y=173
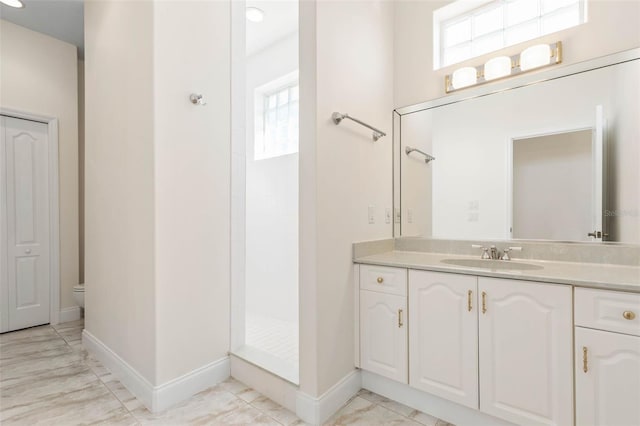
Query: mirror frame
x=481, y=91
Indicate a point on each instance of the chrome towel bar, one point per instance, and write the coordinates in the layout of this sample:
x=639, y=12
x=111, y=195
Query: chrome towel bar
x=338, y=117
x=408, y=150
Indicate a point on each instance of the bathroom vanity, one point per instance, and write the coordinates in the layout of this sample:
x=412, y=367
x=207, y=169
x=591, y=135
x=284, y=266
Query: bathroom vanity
x=506, y=340
x=548, y=333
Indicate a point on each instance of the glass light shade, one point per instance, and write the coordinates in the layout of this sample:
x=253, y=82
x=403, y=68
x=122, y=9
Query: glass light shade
x=535, y=56
x=497, y=67
x=464, y=77
x=13, y=3
x=254, y=14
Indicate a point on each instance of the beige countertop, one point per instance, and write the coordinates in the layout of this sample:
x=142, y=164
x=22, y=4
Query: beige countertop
x=602, y=276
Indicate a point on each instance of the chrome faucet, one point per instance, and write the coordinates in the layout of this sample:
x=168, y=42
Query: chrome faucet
x=505, y=254
x=485, y=251
x=495, y=253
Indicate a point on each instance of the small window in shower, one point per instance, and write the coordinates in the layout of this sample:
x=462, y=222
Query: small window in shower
x=276, y=114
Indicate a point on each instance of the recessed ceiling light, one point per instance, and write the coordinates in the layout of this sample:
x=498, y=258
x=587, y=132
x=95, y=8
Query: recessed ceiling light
x=13, y=3
x=253, y=14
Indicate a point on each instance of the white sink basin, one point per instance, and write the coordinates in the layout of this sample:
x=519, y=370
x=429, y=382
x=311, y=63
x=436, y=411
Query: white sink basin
x=492, y=264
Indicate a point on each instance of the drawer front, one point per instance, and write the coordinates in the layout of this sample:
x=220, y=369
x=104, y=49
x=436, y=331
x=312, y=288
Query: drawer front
x=608, y=310
x=383, y=279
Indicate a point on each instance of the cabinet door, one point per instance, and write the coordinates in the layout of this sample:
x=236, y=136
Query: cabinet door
x=607, y=378
x=443, y=357
x=383, y=334
x=526, y=351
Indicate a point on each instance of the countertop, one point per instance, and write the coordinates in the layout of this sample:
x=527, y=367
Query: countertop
x=592, y=275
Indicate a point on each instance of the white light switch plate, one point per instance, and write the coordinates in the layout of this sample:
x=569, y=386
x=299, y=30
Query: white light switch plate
x=372, y=212
x=387, y=215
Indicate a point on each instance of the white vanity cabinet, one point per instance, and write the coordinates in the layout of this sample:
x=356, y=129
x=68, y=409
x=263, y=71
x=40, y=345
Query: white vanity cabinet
x=383, y=321
x=497, y=345
x=444, y=335
x=607, y=358
x=506, y=344
x=526, y=354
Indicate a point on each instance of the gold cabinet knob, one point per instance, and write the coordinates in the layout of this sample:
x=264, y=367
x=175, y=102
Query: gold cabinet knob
x=380, y=280
x=628, y=315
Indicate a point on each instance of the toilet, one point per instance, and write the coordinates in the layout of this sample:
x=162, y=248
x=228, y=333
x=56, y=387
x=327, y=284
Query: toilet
x=78, y=295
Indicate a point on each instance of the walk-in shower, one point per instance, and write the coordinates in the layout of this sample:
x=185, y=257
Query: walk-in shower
x=265, y=103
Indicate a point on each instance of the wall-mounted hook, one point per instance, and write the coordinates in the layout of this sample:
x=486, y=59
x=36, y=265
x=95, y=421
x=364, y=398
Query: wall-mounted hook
x=197, y=99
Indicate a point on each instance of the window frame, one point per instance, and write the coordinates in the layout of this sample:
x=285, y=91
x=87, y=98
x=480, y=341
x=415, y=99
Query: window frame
x=462, y=10
x=261, y=109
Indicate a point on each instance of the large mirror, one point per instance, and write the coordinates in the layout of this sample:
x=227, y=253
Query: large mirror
x=556, y=159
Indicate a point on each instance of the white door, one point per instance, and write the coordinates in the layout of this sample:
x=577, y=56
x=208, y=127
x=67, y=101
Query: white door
x=526, y=351
x=383, y=334
x=607, y=378
x=25, y=255
x=444, y=335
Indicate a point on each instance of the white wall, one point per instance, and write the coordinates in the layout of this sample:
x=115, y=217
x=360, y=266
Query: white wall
x=612, y=27
x=192, y=184
x=38, y=75
x=346, y=65
x=272, y=201
x=120, y=291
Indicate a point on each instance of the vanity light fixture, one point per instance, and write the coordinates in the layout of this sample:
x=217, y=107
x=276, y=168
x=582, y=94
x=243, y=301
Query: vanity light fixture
x=464, y=77
x=497, y=68
x=535, y=57
x=540, y=55
x=13, y=3
x=254, y=14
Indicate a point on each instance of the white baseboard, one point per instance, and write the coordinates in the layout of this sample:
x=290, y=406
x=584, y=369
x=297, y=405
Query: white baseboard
x=317, y=410
x=161, y=397
x=73, y=313
x=184, y=387
x=140, y=387
x=273, y=387
x=435, y=406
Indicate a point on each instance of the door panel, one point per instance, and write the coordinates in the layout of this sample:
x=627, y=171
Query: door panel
x=25, y=211
x=526, y=373
x=383, y=334
x=608, y=392
x=444, y=335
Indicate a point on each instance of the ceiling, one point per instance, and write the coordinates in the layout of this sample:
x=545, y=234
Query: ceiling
x=61, y=19
x=280, y=21
x=64, y=20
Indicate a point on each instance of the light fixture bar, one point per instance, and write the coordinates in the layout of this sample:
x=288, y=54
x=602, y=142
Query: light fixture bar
x=532, y=58
x=13, y=3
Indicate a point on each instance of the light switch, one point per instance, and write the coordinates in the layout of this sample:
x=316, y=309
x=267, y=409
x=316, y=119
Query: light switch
x=387, y=215
x=397, y=215
x=372, y=213
x=409, y=215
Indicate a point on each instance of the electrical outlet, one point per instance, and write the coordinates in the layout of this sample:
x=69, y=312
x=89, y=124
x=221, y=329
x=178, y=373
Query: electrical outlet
x=387, y=215
x=372, y=215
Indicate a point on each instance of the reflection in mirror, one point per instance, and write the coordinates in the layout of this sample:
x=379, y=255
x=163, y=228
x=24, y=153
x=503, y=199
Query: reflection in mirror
x=540, y=179
x=557, y=159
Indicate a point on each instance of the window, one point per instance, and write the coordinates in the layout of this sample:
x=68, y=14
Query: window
x=460, y=33
x=276, y=112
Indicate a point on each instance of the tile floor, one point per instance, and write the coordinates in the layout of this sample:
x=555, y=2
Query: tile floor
x=47, y=378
